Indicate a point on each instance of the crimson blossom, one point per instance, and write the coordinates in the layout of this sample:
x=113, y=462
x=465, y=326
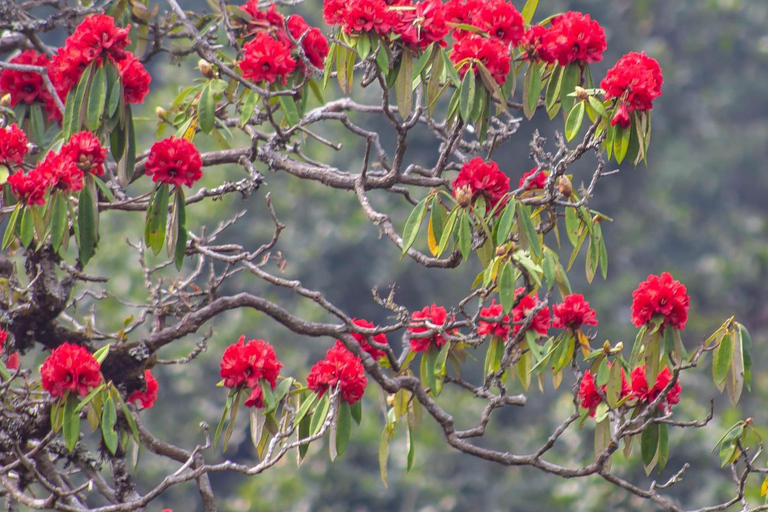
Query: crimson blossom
x=12, y=358
x=635, y=81
x=641, y=392
x=339, y=368
x=479, y=178
x=539, y=182
x=435, y=315
x=500, y=329
x=13, y=145
x=175, y=162
x=85, y=151
x=267, y=59
x=361, y=339
x=30, y=188
x=314, y=43
x=247, y=363
x=148, y=397
x=135, y=79
x=500, y=20
x=422, y=25
x=60, y=172
x=572, y=37
x=493, y=54
x=573, y=312
x=589, y=395
x=524, y=308
x=70, y=368
x=27, y=86
x=660, y=296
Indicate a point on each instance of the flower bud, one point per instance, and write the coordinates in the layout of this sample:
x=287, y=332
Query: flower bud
x=618, y=348
x=607, y=347
x=464, y=195
x=205, y=68
x=501, y=250
x=5, y=101
x=581, y=93
x=161, y=113
x=564, y=186
x=390, y=400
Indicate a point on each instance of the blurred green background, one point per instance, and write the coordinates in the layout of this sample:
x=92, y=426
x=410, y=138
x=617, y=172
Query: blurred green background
x=698, y=211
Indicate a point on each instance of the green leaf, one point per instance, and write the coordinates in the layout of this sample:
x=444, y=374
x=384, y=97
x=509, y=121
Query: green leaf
x=649, y=447
x=574, y=121
x=531, y=236
x=448, y=231
x=571, y=75
x=74, y=122
x=290, y=111
x=529, y=10
x=403, y=85
x=71, y=423
x=663, y=445
x=599, y=107
x=329, y=60
x=427, y=370
x=553, y=91
x=531, y=89
x=127, y=414
x=572, y=225
x=493, y=356
x=306, y=405
x=411, y=448
x=97, y=99
x=722, y=361
x=465, y=235
x=613, y=390
x=86, y=223
x=746, y=343
x=602, y=436
x=38, y=123
x=505, y=223
x=357, y=411
x=549, y=268
x=250, y=98
x=467, y=97
x=232, y=417
x=206, y=109
x=181, y=221
x=108, y=422
x=621, y=143
x=320, y=415
x=10, y=230
x=507, y=287
x=257, y=421
x=115, y=98
x=426, y=57
x=384, y=454
x=157, y=216
x=343, y=427
x=27, y=226
x=413, y=224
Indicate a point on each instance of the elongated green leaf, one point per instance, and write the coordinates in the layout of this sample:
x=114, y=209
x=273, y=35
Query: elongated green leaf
x=531, y=236
x=288, y=105
x=531, y=89
x=722, y=361
x=250, y=98
x=97, y=99
x=59, y=220
x=663, y=445
x=108, y=422
x=613, y=390
x=343, y=427
x=465, y=235
x=505, y=223
x=71, y=423
x=10, y=230
x=571, y=75
x=598, y=106
x=427, y=372
x=552, y=93
x=621, y=143
x=320, y=415
x=384, y=454
x=181, y=237
x=649, y=445
x=448, y=231
x=157, y=216
x=426, y=57
x=74, y=123
x=507, y=287
x=86, y=223
x=413, y=224
x=27, y=230
x=746, y=344
x=529, y=10
x=306, y=405
x=574, y=121
x=467, y=98
x=403, y=90
x=206, y=109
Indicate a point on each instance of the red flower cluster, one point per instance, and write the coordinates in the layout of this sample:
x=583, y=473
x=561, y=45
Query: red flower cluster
x=60, y=172
x=148, y=397
x=539, y=182
x=524, y=308
x=98, y=39
x=247, y=363
x=360, y=15
x=13, y=145
x=339, y=368
x=175, y=162
x=26, y=86
x=12, y=359
x=478, y=178
x=435, y=315
x=641, y=392
x=572, y=37
x=85, y=151
x=422, y=25
x=573, y=312
x=492, y=53
x=660, y=296
x=589, y=395
x=500, y=329
x=314, y=43
x=500, y=20
x=635, y=81
x=70, y=368
x=378, y=338
x=267, y=59
x=29, y=189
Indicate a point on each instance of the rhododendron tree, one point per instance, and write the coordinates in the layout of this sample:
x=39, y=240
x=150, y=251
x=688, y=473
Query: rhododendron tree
x=271, y=91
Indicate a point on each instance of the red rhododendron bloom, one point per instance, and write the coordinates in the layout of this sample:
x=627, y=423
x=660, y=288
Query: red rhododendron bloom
x=635, y=81
x=531, y=41
x=340, y=367
x=573, y=37
x=539, y=182
x=422, y=25
x=135, y=79
x=641, y=392
x=85, y=151
x=589, y=395
x=267, y=59
x=480, y=178
x=500, y=329
x=461, y=12
x=378, y=338
x=367, y=16
x=493, y=54
x=26, y=86
x=71, y=368
x=13, y=145
x=60, y=172
x=12, y=359
x=660, y=296
x=148, y=397
x=314, y=44
x=573, y=312
x=247, y=363
x=500, y=20
x=334, y=11
x=256, y=398
x=29, y=188
x=175, y=162
x=435, y=315
x=524, y=308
